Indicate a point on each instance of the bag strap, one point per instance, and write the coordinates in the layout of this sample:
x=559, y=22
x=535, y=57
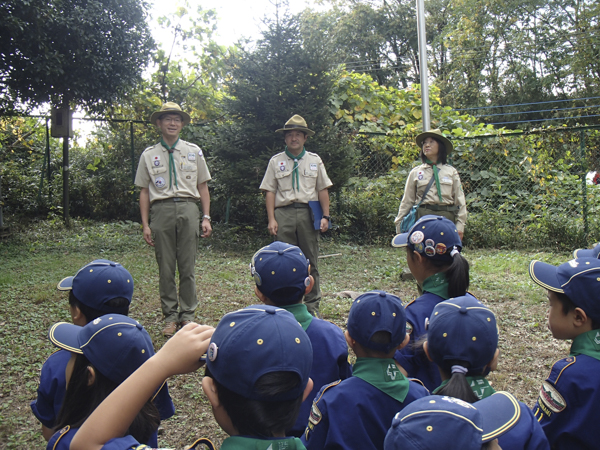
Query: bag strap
x=426, y=190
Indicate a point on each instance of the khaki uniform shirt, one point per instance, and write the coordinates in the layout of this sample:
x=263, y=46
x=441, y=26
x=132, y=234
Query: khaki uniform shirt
x=190, y=166
x=278, y=179
x=450, y=185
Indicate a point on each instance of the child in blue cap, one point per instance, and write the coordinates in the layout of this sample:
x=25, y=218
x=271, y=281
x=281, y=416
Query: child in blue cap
x=282, y=276
x=588, y=253
x=462, y=340
x=98, y=288
x=103, y=354
x=433, y=254
x=440, y=422
x=257, y=374
x=358, y=411
x=566, y=406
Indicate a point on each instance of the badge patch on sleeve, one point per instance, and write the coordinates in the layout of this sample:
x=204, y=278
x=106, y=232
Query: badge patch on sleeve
x=199, y=152
x=550, y=396
x=315, y=415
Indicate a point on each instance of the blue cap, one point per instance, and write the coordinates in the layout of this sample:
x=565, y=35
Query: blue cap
x=433, y=236
x=281, y=272
x=116, y=345
x=578, y=279
x=98, y=282
x=439, y=422
x=588, y=253
x=376, y=311
x=255, y=341
x=464, y=329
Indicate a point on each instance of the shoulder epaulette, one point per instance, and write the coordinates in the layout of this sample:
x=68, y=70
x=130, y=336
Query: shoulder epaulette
x=559, y=367
x=324, y=388
x=202, y=441
x=191, y=144
x=416, y=380
x=60, y=433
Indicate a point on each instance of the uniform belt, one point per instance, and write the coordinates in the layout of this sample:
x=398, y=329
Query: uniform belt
x=440, y=207
x=296, y=205
x=175, y=199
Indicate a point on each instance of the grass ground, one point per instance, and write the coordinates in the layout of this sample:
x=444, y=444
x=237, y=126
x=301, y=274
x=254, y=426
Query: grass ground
x=32, y=263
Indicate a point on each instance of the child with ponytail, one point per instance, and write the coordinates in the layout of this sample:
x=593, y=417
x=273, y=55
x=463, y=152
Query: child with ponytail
x=433, y=254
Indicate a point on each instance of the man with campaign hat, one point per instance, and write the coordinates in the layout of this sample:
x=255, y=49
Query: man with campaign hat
x=297, y=198
x=566, y=406
x=173, y=176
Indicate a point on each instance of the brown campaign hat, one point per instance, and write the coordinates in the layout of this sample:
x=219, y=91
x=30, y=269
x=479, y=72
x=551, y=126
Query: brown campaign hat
x=436, y=134
x=296, y=123
x=170, y=108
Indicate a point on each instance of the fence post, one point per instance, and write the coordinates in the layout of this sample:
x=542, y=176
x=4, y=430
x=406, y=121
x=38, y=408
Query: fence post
x=584, y=183
x=48, y=169
x=132, y=160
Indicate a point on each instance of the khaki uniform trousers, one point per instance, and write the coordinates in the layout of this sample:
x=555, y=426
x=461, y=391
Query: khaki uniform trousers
x=425, y=211
x=175, y=231
x=296, y=226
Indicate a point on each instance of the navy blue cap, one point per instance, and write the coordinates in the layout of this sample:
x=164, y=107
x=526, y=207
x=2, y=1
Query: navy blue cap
x=588, y=253
x=432, y=236
x=255, y=341
x=116, y=345
x=281, y=272
x=376, y=311
x=464, y=329
x=578, y=279
x=439, y=422
x=98, y=282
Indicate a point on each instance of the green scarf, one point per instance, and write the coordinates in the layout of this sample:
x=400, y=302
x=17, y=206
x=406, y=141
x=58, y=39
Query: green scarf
x=436, y=175
x=171, y=161
x=437, y=284
x=480, y=386
x=383, y=374
x=249, y=442
x=295, y=175
x=587, y=344
x=300, y=312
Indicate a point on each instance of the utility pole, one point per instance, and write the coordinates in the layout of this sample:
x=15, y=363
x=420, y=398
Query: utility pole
x=423, y=65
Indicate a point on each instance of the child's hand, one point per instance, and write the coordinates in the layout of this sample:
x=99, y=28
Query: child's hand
x=181, y=353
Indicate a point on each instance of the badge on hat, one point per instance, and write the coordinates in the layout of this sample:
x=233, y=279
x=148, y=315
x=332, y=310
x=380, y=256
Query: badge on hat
x=417, y=237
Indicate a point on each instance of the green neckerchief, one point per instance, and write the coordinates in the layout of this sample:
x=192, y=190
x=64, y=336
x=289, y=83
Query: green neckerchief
x=437, y=284
x=248, y=442
x=300, y=312
x=382, y=373
x=295, y=169
x=480, y=386
x=171, y=161
x=436, y=175
x=587, y=344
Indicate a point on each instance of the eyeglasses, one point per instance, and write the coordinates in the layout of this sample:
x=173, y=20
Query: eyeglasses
x=167, y=119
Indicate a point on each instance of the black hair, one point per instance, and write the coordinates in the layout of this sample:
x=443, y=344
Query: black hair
x=82, y=399
x=457, y=273
x=442, y=153
x=119, y=304
x=286, y=296
x=262, y=418
x=568, y=306
x=379, y=338
x=457, y=385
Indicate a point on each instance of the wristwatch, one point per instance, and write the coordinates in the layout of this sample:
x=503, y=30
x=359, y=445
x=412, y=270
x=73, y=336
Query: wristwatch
x=327, y=217
x=206, y=216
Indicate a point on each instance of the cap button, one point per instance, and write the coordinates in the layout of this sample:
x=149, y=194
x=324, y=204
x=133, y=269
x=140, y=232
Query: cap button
x=113, y=264
x=382, y=294
x=280, y=252
x=463, y=310
x=270, y=311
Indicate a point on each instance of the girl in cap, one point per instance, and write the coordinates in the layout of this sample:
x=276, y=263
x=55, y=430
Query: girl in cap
x=445, y=196
x=462, y=340
x=103, y=354
x=433, y=254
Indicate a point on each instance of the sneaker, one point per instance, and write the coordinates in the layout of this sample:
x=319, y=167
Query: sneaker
x=169, y=329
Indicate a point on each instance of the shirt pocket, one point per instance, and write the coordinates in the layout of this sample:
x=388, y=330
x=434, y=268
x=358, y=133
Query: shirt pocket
x=446, y=188
x=309, y=181
x=158, y=170
x=284, y=180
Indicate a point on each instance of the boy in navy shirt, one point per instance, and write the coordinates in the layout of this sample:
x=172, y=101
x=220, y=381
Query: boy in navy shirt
x=357, y=412
x=566, y=406
x=282, y=275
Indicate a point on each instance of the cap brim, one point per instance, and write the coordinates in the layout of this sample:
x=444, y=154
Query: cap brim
x=400, y=240
x=587, y=253
x=545, y=275
x=66, y=284
x=64, y=335
x=500, y=412
x=304, y=130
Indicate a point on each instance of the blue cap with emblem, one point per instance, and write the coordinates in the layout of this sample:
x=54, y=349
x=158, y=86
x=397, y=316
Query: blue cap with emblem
x=439, y=422
x=376, y=311
x=281, y=272
x=98, y=282
x=588, y=253
x=255, y=341
x=115, y=345
x=463, y=329
x=433, y=236
x=578, y=279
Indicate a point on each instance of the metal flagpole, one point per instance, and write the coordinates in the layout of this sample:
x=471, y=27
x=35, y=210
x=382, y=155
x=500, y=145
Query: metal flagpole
x=423, y=65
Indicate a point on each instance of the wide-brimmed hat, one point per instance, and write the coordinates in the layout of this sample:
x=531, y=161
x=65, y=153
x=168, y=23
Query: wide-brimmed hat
x=296, y=123
x=170, y=108
x=436, y=134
